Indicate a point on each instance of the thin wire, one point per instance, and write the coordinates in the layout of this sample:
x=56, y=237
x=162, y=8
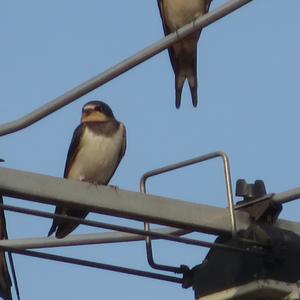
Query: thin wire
x=92, y=264
x=14, y=274
x=131, y=230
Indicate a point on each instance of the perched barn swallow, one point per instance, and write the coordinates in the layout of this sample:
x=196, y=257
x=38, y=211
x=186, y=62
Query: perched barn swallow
x=96, y=149
x=183, y=54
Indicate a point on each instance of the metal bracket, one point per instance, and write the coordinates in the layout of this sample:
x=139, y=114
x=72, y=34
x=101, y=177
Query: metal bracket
x=176, y=166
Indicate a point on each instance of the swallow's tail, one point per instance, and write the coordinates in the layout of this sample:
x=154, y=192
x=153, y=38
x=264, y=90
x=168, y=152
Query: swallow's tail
x=52, y=229
x=179, y=82
x=192, y=80
x=185, y=68
x=191, y=75
x=66, y=227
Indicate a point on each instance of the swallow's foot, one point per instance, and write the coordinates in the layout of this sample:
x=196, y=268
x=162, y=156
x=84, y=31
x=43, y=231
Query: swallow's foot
x=92, y=183
x=115, y=187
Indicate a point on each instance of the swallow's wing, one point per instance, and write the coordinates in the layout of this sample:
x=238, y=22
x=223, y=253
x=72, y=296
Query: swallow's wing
x=124, y=144
x=166, y=30
x=162, y=15
x=208, y=3
x=74, y=148
x=122, y=150
x=72, y=152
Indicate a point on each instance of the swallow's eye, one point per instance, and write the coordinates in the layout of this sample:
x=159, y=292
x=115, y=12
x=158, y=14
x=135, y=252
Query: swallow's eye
x=99, y=108
x=87, y=110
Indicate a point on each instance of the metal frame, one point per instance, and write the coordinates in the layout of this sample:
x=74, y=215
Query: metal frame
x=126, y=204
x=176, y=166
x=107, y=200
x=4, y=245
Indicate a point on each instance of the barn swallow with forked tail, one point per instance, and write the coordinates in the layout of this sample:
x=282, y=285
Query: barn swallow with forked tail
x=96, y=149
x=183, y=54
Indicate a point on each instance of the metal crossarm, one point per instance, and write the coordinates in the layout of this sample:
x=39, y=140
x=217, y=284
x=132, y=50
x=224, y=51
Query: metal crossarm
x=125, y=204
x=116, y=202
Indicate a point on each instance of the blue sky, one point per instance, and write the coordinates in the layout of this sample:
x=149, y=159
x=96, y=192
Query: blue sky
x=249, y=74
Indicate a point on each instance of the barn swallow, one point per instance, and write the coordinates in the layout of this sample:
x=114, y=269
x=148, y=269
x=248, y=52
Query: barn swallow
x=183, y=54
x=97, y=147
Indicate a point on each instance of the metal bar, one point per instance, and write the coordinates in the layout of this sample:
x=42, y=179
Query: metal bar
x=92, y=264
x=14, y=274
x=230, y=202
x=83, y=239
x=121, y=203
x=195, y=160
x=176, y=166
x=287, y=196
x=253, y=202
x=121, y=67
x=150, y=257
x=149, y=251
x=97, y=224
x=282, y=198
x=116, y=202
x=181, y=165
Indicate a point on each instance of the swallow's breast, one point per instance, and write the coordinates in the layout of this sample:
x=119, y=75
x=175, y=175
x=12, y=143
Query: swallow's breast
x=97, y=158
x=182, y=12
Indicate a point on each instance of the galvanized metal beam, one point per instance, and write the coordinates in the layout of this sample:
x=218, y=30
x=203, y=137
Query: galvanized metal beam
x=116, y=202
x=125, y=204
x=120, y=68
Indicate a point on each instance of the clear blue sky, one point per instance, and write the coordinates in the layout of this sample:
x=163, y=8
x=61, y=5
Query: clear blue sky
x=249, y=79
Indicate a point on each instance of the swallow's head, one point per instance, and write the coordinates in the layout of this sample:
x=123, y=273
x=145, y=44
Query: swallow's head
x=96, y=111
